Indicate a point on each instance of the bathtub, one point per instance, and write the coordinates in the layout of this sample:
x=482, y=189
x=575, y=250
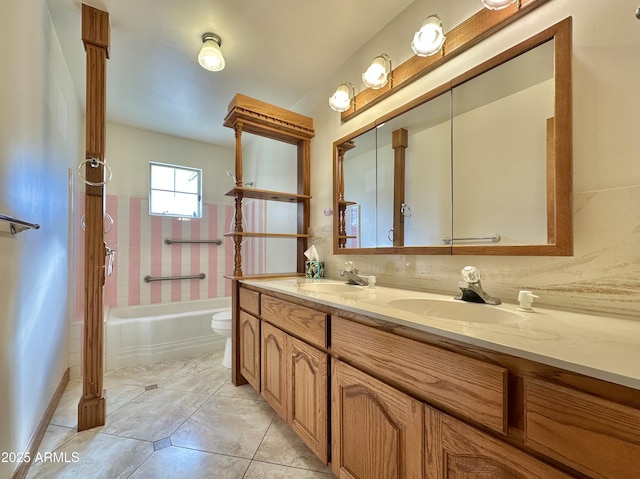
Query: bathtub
x=152, y=333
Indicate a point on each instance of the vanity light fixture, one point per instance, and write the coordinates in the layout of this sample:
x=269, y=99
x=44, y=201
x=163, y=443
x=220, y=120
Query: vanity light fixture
x=377, y=74
x=210, y=56
x=498, y=4
x=341, y=100
x=430, y=38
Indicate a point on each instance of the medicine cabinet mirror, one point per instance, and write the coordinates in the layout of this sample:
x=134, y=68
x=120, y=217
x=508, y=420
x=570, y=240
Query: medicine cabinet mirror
x=480, y=165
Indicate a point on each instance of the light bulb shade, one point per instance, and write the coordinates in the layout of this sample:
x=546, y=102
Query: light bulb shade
x=210, y=56
x=377, y=74
x=341, y=99
x=429, y=39
x=497, y=4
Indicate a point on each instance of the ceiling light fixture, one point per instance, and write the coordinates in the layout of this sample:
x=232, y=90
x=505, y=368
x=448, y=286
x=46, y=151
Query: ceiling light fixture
x=430, y=38
x=341, y=99
x=210, y=56
x=377, y=74
x=498, y=4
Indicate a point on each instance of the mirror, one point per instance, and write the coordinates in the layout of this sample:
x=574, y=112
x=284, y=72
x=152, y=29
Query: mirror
x=481, y=165
x=398, y=176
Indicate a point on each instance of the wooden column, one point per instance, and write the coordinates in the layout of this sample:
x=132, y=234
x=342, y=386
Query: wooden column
x=342, y=204
x=399, y=142
x=95, y=36
x=237, y=225
x=304, y=188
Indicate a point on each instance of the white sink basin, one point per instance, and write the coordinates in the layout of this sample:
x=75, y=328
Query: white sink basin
x=457, y=310
x=330, y=287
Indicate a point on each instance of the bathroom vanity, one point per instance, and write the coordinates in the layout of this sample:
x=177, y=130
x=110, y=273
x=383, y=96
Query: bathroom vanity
x=389, y=383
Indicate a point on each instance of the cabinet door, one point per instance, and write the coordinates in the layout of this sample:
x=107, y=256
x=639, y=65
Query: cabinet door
x=274, y=368
x=377, y=431
x=458, y=451
x=250, y=349
x=308, y=415
x=595, y=436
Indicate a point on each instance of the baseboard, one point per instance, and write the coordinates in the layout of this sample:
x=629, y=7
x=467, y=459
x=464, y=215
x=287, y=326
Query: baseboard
x=36, y=439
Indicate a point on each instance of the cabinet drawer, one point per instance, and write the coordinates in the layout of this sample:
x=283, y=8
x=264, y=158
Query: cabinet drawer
x=595, y=436
x=470, y=387
x=305, y=323
x=250, y=301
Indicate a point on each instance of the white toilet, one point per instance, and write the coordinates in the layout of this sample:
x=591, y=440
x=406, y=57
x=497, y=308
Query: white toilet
x=221, y=324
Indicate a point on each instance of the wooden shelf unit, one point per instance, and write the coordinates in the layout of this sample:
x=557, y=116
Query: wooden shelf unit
x=248, y=115
x=259, y=118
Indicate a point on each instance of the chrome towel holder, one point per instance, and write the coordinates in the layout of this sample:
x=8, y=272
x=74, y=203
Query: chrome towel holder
x=17, y=225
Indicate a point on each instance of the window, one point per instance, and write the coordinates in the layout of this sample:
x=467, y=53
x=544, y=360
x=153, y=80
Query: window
x=175, y=191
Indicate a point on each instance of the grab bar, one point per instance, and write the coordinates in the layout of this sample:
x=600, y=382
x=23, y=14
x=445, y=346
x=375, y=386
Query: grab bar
x=493, y=238
x=23, y=225
x=148, y=279
x=171, y=241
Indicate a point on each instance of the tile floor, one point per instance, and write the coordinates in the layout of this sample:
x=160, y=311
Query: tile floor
x=172, y=420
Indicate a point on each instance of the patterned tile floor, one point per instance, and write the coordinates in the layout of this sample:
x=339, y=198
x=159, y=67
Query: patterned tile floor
x=173, y=420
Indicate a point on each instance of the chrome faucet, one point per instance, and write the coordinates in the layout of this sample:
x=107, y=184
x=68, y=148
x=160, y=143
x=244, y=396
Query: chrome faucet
x=472, y=288
x=350, y=272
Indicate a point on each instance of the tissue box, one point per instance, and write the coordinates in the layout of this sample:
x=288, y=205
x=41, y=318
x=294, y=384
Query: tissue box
x=314, y=269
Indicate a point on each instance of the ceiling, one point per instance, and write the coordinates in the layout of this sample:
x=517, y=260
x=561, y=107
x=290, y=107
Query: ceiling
x=275, y=50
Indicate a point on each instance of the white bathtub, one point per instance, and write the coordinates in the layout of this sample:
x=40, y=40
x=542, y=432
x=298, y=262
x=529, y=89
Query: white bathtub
x=159, y=332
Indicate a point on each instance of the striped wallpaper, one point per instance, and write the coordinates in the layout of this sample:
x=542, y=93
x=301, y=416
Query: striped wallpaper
x=139, y=241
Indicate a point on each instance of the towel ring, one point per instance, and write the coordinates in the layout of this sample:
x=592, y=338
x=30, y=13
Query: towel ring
x=94, y=163
x=106, y=216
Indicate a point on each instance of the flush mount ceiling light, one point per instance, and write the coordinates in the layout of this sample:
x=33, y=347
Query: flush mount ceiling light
x=498, y=4
x=429, y=39
x=378, y=72
x=210, y=56
x=341, y=99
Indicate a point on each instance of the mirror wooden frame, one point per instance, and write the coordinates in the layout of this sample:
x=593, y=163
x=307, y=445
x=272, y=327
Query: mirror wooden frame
x=559, y=159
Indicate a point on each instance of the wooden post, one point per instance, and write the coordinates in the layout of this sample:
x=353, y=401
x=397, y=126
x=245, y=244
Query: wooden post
x=339, y=180
x=237, y=226
x=95, y=36
x=236, y=376
x=399, y=142
x=304, y=188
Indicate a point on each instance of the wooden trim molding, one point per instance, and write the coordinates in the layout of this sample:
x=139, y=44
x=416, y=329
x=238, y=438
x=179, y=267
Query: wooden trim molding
x=34, y=444
x=470, y=32
x=95, y=36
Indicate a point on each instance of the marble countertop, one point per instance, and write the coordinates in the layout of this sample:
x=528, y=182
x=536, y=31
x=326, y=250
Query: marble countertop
x=602, y=347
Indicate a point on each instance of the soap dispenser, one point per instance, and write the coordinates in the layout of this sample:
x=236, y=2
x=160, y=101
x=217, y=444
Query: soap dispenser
x=525, y=298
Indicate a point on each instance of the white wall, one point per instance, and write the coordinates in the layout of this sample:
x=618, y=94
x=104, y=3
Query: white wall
x=604, y=273
x=129, y=151
x=40, y=129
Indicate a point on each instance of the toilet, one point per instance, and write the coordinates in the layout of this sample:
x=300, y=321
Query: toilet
x=221, y=324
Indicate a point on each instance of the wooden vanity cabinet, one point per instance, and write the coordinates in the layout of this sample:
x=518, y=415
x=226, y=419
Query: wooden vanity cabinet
x=280, y=357
x=456, y=450
x=409, y=404
x=295, y=384
x=377, y=431
x=473, y=388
